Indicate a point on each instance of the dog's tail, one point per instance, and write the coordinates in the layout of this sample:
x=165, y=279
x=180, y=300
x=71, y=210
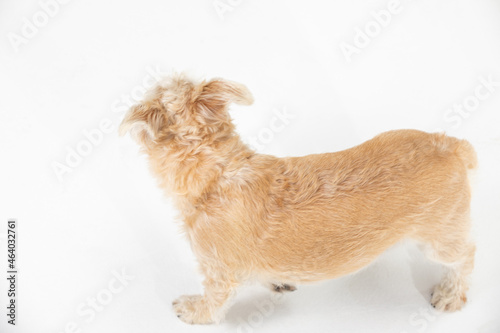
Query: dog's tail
x=467, y=154
x=462, y=148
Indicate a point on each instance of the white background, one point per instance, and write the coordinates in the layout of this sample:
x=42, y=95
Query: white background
x=106, y=216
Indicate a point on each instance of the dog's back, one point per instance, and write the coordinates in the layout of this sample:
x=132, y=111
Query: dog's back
x=358, y=202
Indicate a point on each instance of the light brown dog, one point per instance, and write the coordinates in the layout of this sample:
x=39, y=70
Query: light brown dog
x=285, y=221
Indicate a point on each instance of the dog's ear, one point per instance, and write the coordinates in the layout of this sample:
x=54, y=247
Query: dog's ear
x=217, y=94
x=144, y=122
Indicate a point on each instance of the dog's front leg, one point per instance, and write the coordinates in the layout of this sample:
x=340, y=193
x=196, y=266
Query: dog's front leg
x=209, y=307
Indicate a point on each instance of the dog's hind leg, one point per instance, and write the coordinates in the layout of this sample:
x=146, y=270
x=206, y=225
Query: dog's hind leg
x=210, y=307
x=450, y=293
x=452, y=248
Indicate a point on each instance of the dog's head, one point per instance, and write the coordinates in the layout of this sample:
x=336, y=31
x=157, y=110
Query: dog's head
x=181, y=110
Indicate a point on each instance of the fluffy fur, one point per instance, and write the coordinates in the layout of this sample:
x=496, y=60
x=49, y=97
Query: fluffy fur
x=286, y=221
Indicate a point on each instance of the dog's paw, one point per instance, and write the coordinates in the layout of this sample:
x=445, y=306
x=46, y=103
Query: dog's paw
x=192, y=309
x=280, y=288
x=447, y=300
